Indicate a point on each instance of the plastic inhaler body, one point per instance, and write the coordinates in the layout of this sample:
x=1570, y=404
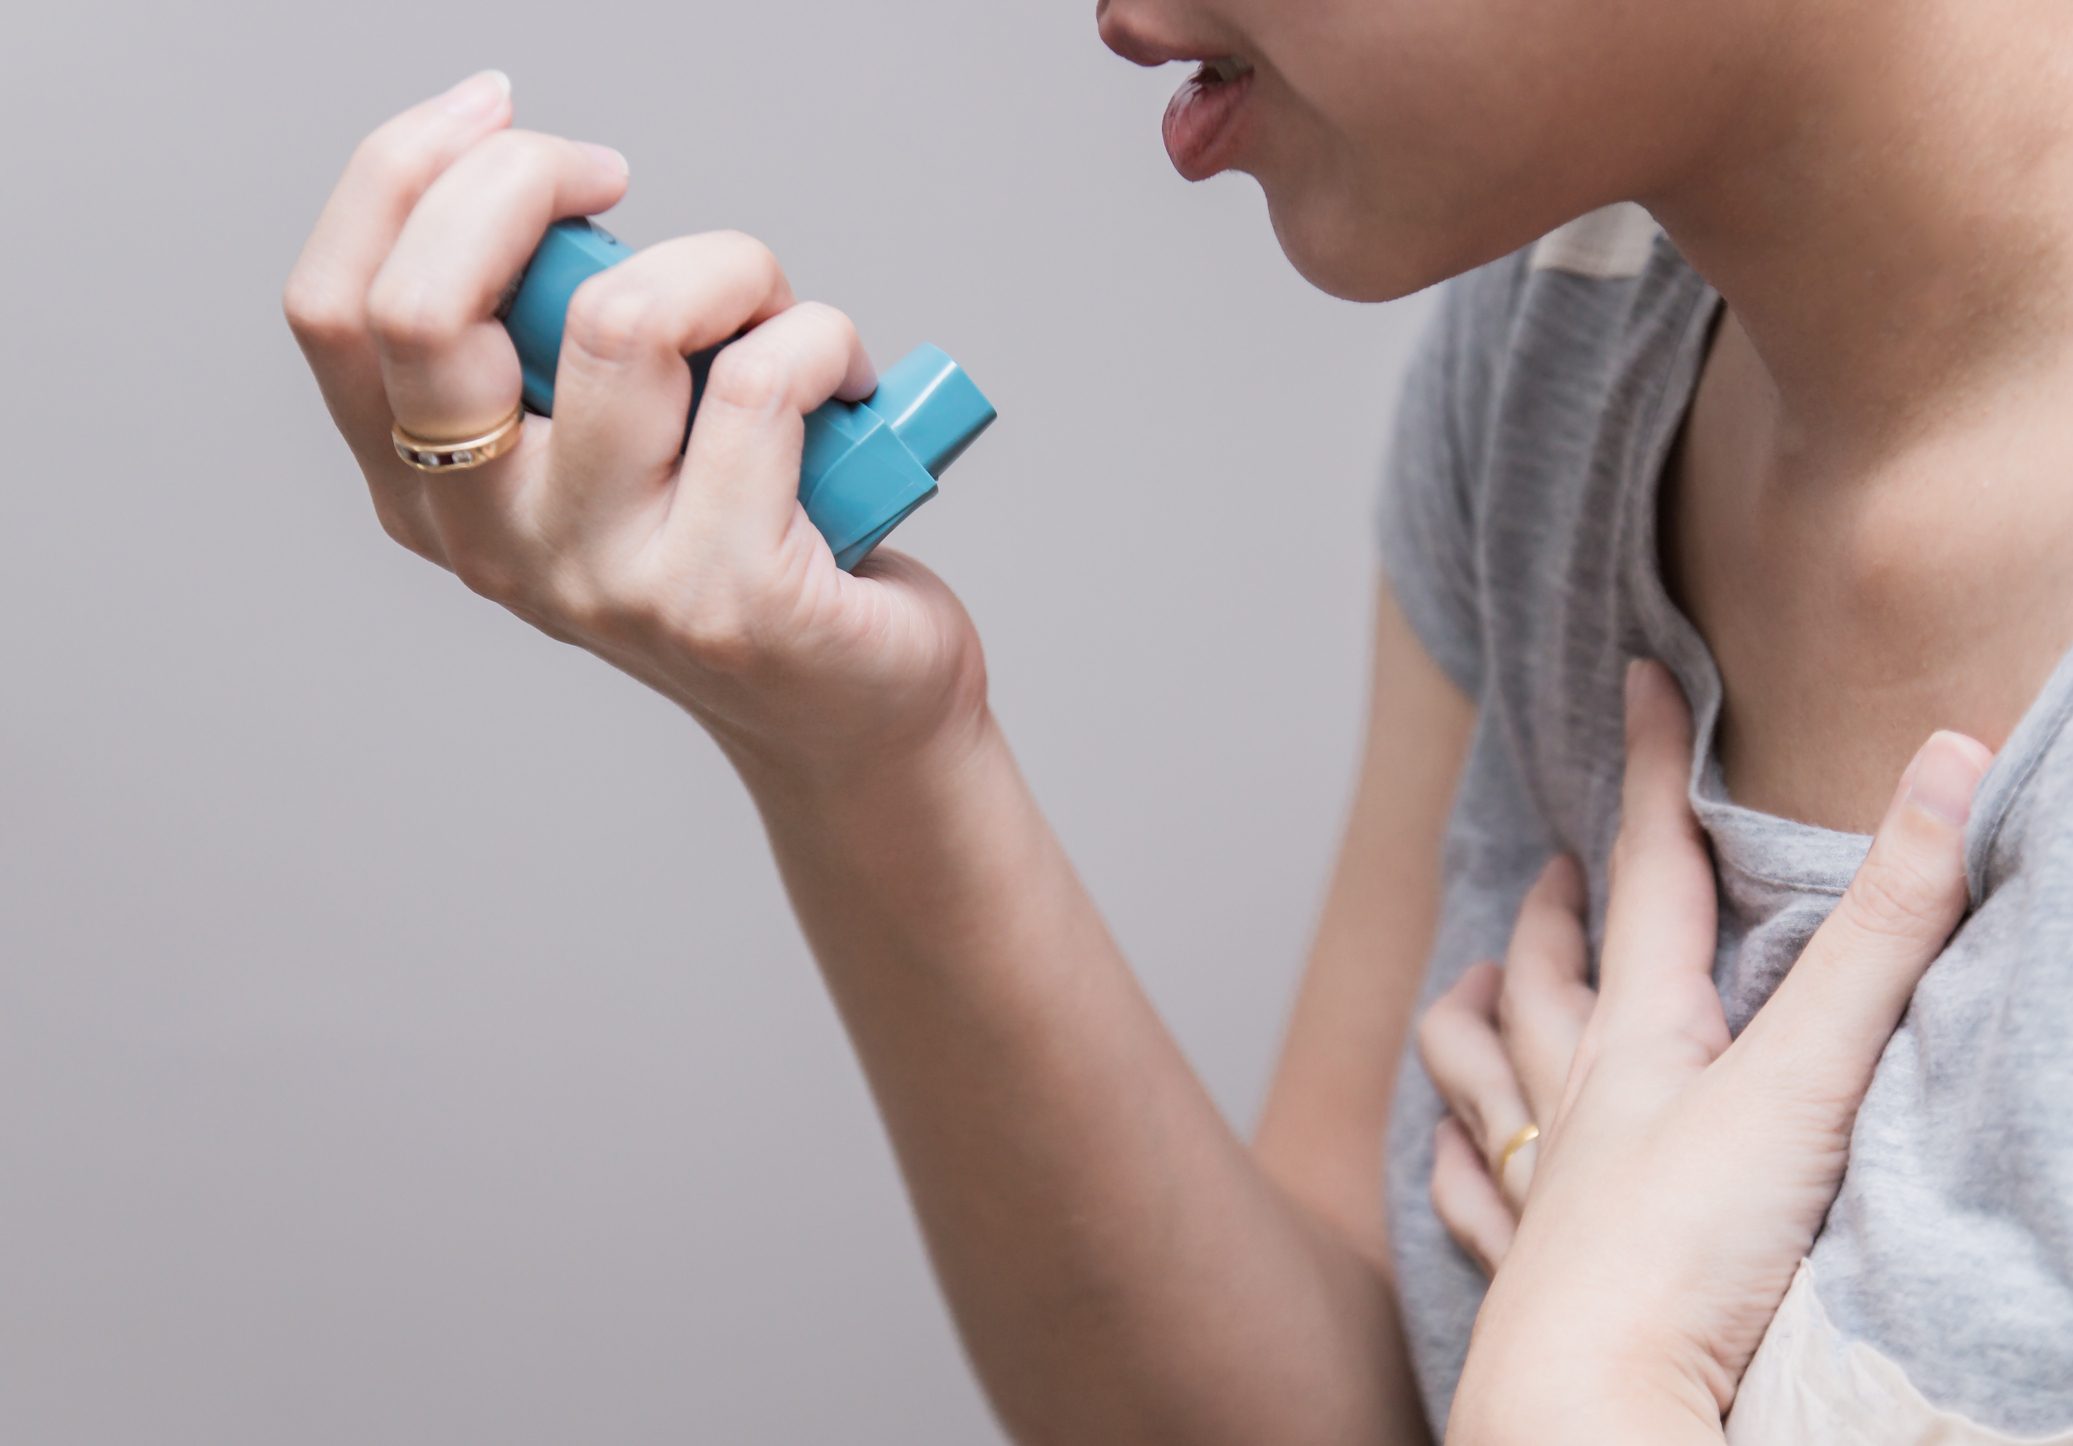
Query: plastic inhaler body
x=865, y=466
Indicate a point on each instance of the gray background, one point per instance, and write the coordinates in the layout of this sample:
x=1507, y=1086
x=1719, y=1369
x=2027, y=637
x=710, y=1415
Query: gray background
x=403, y=1036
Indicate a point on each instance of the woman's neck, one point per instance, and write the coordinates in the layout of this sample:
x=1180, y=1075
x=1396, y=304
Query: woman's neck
x=1870, y=512
x=1889, y=215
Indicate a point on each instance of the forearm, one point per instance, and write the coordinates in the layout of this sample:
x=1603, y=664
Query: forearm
x=1120, y=1267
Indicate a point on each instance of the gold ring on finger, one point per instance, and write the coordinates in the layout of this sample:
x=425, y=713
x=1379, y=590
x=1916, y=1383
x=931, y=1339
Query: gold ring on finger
x=429, y=455
x=1527, y=1134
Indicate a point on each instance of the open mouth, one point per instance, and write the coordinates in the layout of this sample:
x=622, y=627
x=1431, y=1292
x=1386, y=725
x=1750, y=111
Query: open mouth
x=1201, y=121
x=1222, y=71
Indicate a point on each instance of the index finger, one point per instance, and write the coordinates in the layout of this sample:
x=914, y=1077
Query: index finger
x=326, y=294
x=1662, y=919
x=1545, y=1001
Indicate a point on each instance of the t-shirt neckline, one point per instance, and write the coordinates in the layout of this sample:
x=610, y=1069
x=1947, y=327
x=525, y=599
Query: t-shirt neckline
x=1767, y=847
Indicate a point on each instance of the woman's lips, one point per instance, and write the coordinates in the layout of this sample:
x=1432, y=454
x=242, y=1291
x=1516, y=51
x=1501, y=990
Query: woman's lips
x=1202, y=122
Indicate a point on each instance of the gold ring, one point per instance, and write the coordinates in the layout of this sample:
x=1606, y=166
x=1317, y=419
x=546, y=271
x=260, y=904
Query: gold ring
x=1528, y=1133
x=428, y=455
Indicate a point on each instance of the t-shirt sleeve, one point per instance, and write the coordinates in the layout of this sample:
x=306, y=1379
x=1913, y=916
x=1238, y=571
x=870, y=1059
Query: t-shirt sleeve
x=1425, y=513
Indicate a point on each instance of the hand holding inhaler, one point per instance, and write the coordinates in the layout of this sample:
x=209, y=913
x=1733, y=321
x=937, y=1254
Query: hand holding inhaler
x=450, y=279
x=865, y=466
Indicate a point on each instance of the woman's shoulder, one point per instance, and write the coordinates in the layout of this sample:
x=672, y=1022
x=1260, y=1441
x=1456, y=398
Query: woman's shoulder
x=1584, y=319
x=1537, y=382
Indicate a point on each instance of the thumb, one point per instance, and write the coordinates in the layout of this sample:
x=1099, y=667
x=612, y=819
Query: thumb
x=1829, y=1021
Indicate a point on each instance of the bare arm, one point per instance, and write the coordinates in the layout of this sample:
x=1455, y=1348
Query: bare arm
x=1121, y=1265
x=1321, y=1133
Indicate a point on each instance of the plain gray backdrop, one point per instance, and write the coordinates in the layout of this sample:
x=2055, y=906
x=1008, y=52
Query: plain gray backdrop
x=403, y=1034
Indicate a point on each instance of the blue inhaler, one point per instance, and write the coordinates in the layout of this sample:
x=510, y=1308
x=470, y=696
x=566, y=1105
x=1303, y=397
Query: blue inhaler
x=866, y=464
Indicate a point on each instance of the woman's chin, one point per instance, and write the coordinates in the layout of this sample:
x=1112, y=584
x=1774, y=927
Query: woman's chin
x=1354, y=260
x=1377, y=252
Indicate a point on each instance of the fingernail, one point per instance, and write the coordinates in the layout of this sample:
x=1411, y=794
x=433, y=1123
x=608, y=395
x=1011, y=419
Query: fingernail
x=479, y=94
x=1945, y=775
x=605, y=156
x=1633, y=685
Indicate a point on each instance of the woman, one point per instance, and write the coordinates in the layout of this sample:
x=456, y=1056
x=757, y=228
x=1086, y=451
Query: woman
x=1123, y=1268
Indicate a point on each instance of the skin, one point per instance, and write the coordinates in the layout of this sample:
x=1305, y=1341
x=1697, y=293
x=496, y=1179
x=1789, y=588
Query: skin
x=1121, y=1264
x=1400, y=142
x=1884, y=197
x=1647, y=1111
x=1883, y=194
x=1660, y=1251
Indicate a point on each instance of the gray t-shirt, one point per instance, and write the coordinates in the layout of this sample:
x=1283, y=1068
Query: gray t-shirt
x=1518, y=529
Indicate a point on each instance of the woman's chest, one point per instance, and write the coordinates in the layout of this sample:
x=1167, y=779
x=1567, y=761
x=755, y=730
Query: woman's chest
x=1850, y=611
x=1947, y=1260
x=1940, y=1289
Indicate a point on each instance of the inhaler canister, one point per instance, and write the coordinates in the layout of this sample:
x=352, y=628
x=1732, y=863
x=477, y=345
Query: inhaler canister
x=865, y=466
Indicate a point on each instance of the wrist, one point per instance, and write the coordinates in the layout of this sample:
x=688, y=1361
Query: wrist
x=897, y=773
x=1578, y=1418
x=1553, y=1380
x=916, y=866
x=1546, y=1403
